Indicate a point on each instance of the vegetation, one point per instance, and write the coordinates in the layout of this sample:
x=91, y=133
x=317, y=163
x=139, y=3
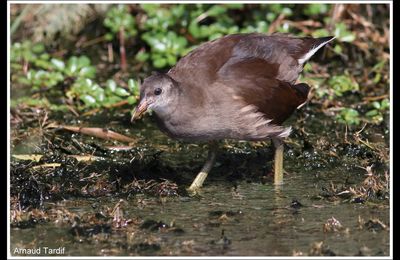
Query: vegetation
x=156, y=35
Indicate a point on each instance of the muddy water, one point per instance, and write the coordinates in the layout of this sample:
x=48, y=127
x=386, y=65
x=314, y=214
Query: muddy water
x=255, y=220
x=233, y=216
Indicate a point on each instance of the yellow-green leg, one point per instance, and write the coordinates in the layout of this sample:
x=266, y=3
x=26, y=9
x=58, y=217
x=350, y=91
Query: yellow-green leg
x=278, y=175
x=200, y=178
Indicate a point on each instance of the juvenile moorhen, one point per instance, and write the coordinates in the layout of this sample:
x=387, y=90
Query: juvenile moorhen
x=241, y=86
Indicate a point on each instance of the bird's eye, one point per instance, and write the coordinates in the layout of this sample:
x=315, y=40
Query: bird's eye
x=157, y=91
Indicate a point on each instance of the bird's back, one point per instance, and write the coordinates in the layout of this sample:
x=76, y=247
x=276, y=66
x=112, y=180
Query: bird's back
x=275, y=56
x=252, y=75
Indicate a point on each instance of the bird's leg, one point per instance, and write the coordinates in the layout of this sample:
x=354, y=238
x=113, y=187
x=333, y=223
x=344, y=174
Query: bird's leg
x=199, y=180
x=278, y=176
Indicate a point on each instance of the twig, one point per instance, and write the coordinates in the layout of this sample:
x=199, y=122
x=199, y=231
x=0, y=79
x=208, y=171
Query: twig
x=110, y=53
x=276, y=23
x=95, y=131
x=376, y=98
x=118, y=104
x=93, y=41
x=70, y=108
x=362, y=129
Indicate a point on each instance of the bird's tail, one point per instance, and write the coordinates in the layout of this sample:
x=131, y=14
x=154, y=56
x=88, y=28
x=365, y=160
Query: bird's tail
x=313, y=46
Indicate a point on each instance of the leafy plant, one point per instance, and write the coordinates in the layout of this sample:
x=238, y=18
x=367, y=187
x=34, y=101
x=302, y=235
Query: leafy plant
x=164, y=47
x=121, y=23
x=117, y=18
x=165, y=44
x=342, y=34
x=378, y=110
x=316, y=9
x=78, y=67
x=348, y=116
x=50, y=72
x=95, y=96
x=77, y=74
x=28, y=52
x=222, y=23
x=41, y=79
x=133, y=87
x=342, y=84
x=163, y=27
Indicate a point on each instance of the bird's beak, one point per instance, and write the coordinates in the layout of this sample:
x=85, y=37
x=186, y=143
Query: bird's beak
x=139, y=109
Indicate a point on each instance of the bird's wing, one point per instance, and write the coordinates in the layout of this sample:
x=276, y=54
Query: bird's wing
x=262, y=72
x=274, y=56
x=275, y=99
x=277, y=56
x=200, y=66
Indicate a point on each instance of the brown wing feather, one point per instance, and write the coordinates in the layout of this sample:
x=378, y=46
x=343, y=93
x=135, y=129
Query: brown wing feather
x=276, y=99
x=203, y=63
x=200, y=65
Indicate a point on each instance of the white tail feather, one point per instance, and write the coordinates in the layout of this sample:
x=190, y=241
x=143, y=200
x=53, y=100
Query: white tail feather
x=311, y=52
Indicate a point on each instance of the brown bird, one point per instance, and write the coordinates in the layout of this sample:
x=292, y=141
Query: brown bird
x=241, y=86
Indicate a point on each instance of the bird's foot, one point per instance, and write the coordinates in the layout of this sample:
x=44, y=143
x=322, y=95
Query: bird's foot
x=278, y=164
x=193, y=192
x=196, y=185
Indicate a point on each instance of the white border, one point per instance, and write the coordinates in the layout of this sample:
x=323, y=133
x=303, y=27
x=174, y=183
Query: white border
x=9, y=256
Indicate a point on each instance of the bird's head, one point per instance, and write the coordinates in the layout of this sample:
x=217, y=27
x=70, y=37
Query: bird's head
x=158, y=93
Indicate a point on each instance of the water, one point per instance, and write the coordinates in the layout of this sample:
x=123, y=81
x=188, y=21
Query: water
x=256, y=219
x=236, y=213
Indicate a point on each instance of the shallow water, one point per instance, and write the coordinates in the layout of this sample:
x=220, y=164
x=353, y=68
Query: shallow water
x=232, y=216
x=257, y=219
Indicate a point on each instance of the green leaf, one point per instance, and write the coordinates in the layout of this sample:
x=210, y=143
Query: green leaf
x=343, y=34
x=338, y=49
x=234, y=6
x=121, y=92
x=307, y=67
x=88, y=100
x=99, y=96
x=83, y=61
x=142, y=56
x=385, y=104
x=150, y=8
x=315, y=9
x=194, y=29
x=44, y=56
x=59, y=64
x=348, y=38
x=271, y=16
x=349, y=116
x=111, y=85
x=109, y=36
x=320, y=33
x=72, y=65
x=160, y=63
x=38, y=48
x=372, y=113
x=132, y=85
x=287, y=11
x=88, y=72
x=131, y=100
x=343, y=83
x=44, y=64
x=216, y=10
x=376, y=105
